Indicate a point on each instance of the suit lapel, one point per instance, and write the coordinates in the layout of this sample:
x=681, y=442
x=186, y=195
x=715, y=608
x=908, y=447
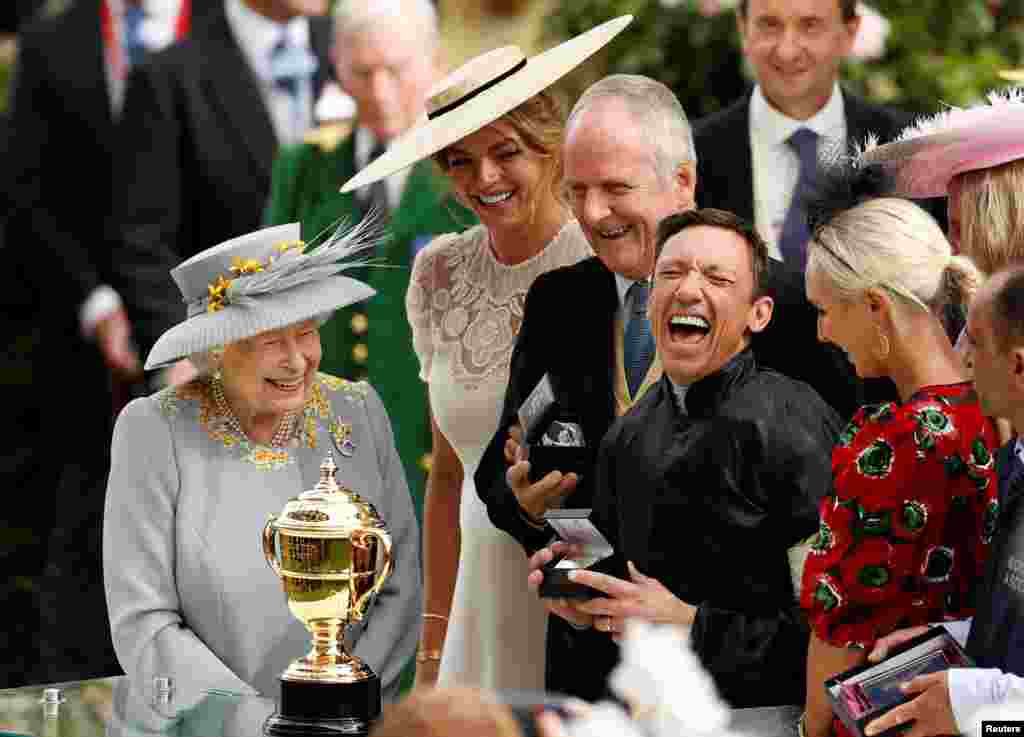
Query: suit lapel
x=82, y=46
x=320, y=39
x=232, y=90
x=738, y=160
x=858, y=122
x=604, y=285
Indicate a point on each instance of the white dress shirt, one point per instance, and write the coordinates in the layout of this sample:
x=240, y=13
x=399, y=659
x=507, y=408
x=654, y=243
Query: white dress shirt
x=776, y=166
x=364, y=145
x=256, y=36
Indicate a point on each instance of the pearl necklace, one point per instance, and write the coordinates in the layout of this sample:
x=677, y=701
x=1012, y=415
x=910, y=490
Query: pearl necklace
x=285, y=428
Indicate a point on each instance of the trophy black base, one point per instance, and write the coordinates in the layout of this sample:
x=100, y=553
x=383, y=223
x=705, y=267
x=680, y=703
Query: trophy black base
x=321, y=709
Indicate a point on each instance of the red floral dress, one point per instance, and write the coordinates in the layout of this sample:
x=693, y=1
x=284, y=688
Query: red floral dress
x=906, y=530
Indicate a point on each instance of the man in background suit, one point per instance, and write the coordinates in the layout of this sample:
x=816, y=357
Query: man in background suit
x=757, y=157
x=65, y=100
x=201, y=126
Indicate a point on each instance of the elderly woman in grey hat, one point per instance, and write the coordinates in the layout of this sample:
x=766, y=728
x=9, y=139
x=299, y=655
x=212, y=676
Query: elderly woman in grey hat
x=197, y=468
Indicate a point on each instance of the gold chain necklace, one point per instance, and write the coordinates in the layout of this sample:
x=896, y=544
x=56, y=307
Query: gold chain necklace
x=285, y=428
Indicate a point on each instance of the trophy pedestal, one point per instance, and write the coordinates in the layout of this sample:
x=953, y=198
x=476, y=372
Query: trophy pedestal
x=315, y=709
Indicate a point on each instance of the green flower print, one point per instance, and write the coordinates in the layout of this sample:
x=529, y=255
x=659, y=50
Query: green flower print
x=873, y=576
x=938, y=564
x=981, y=457
x=876, y=460
x=934, y=420
x=827, y=596
x=848, y=434
x=824, y=540
x=879, y=412
x=915, y=515
x=875, y=523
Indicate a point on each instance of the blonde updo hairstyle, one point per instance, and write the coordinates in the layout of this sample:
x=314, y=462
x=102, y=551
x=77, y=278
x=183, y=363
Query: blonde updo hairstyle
x=894, y=246
x=992, y=215
x=540, y=123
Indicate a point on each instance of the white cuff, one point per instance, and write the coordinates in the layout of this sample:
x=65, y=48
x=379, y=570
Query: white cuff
x=100, y=304
x=970, y=689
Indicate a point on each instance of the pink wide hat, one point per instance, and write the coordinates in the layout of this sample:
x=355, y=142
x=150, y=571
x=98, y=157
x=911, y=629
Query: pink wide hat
x=927, y=155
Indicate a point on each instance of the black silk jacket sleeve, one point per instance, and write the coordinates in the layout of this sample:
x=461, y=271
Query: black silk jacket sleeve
x=710, y=502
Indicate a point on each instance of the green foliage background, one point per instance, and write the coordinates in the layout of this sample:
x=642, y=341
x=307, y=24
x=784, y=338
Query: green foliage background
x=938, y=51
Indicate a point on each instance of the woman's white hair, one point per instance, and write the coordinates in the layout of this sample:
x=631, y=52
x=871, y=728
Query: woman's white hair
x=655, y=109
x=894, y=246
x=208, y=361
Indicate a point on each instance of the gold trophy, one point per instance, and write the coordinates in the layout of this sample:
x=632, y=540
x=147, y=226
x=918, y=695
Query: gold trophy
x=332, y=553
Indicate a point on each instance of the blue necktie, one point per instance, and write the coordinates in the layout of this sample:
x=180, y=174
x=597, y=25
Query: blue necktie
x=134, y=47
x=795, y=233
x=290, y=65
x=638, y=346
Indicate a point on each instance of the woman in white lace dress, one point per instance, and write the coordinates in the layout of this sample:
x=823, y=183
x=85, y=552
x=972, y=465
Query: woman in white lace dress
x=465, y=305
x=497, y=135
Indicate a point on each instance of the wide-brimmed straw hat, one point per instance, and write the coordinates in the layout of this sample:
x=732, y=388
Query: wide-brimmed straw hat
x=927, y=155
x=258, y=282
x=481, y=91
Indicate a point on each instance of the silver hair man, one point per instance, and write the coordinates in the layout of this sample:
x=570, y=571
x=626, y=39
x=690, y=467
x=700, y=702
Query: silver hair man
x=654, y=108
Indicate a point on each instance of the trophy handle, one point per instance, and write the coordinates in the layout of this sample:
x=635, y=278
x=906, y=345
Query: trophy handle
x=268, y=546
x=385, y=542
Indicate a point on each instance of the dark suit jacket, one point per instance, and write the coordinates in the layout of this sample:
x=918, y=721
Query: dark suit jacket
x=578, y=356
x=61, y=141
x=996, y=639
x=58, y=187
x=725, y=181
x=199, y=149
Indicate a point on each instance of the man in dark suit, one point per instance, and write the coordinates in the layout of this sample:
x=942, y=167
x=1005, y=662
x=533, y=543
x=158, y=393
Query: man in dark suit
x=749, y=163
x=201, y=126
x=65, y=99
x=583, y=325
x=757, y=157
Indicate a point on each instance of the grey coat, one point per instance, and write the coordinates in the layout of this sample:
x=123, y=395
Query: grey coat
x=189, y=592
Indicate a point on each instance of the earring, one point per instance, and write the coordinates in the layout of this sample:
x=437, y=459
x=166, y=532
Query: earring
x=883, y=352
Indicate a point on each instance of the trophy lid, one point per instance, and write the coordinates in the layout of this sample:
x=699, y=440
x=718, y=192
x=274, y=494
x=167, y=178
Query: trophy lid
x=328, y=509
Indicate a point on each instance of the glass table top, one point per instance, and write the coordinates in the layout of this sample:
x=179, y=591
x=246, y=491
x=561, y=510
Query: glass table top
x=117, y=707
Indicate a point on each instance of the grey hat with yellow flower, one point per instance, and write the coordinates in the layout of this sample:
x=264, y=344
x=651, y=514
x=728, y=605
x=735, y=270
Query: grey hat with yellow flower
x=261, y=281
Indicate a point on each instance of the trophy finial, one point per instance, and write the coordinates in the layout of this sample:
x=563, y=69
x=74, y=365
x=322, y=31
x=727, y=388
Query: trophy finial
x=328, y=468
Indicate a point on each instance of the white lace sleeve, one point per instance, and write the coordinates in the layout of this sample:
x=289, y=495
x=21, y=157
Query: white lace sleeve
x=418, y=301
